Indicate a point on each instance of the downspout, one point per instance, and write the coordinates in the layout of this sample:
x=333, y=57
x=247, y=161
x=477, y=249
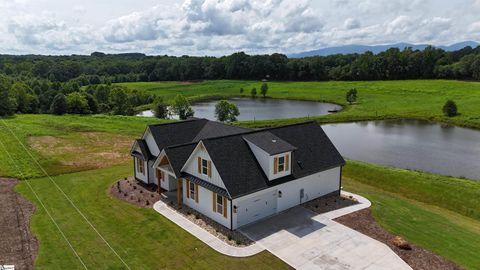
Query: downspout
x=340, y=186
x=231, y=215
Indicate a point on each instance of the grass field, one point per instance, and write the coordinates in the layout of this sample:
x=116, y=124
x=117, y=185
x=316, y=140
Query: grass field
x=420, y=99
x=417, y=207
x=141, y=237
x=437, y=213
x=69, y=143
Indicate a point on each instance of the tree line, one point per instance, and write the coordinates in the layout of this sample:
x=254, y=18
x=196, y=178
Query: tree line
x=393, y=64
x=30, y=83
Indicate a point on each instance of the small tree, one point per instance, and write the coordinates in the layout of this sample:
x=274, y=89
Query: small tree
x=160, y=108
x=59, y=105
x=241, y=90
x=181, y=107
x=351, y=95
x=77, y=103
x=254, y=92
x=264, y=89
x=450, y=108
x=226, y=111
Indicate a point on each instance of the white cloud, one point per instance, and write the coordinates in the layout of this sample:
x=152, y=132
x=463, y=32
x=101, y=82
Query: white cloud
x=223, y=26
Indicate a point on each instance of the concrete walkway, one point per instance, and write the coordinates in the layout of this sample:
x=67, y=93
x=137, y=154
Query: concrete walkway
x=204, y=235
x=303, y=239
x=307, y=240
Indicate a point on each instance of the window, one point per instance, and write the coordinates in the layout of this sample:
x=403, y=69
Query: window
x=219, y=204
x=281, y=164
x=204, y=166
x=140, y=166
x=192, y=191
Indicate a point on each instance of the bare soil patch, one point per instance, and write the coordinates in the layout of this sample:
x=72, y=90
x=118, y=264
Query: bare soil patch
x=417, y=257
x=90, y=150
x=329, y=203
x=131, y=191
x=18, y=246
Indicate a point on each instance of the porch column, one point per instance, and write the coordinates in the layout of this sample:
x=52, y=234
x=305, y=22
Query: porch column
x=179, y=192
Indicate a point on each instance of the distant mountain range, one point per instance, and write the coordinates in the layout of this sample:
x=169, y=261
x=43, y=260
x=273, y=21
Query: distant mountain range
x=347, y=49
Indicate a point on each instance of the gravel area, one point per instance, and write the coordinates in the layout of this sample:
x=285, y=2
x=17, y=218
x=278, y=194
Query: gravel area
x=134, y=192
x=329, y=203
x=18, y=246
x=418, y=258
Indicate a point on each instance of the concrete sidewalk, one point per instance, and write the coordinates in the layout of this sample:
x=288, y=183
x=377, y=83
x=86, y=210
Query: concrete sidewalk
x=204, y=235
x=303, y=239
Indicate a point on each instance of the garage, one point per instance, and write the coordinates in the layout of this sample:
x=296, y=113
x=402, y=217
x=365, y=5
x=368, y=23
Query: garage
x=257, y=207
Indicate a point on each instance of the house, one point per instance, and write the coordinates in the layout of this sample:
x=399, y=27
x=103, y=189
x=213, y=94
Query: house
x=234, y=175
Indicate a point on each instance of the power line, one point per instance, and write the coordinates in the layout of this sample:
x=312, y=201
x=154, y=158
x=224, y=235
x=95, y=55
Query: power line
x=66, y=196
x=43, y=206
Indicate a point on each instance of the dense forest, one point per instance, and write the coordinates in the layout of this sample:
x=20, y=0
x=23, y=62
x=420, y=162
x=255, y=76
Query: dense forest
x=34, y=83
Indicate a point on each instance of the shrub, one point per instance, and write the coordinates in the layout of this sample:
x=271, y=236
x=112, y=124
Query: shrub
x=450, y=108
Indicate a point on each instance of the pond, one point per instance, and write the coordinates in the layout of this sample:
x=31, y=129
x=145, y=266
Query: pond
x=264, y=108
x=410, y=144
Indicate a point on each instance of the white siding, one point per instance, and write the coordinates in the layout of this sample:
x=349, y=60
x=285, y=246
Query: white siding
x=314, y=186
x=205, y=205
x=262, y=157
x=191, y=167
x=267, y=162
x=151, y=172
x=138, y=175
x=152, y=145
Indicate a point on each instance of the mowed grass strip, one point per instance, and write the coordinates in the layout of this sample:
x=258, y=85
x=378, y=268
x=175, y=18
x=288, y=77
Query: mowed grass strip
x=420, y=99
x=404, y=203
x=142, y=237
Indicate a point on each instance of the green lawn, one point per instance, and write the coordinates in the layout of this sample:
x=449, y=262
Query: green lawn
x=411, y=205
x=70, y=128
x=421, y=99
x=142, y=237
x=438, y=213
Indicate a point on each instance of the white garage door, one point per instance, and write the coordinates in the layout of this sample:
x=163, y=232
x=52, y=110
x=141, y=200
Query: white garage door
x=257, y=207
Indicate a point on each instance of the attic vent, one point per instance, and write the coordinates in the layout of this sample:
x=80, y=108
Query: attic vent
x=274, y=141
x=300, y=163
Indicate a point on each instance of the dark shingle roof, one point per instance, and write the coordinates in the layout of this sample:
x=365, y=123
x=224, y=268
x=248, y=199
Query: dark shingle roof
x=192, y=130
x=312, y=150
x=144, y=152
x=178, y=155
x=269, y=142
x=241, y=172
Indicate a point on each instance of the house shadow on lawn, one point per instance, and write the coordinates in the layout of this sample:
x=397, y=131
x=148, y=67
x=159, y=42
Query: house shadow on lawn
x=298, y=221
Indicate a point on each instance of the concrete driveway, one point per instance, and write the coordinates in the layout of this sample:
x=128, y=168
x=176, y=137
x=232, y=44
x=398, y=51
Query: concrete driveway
x=307, y=240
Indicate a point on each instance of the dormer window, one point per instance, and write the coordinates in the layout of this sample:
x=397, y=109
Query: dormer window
x=281, y=164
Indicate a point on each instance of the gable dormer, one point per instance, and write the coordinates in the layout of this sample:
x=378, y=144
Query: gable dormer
x=201, y=165
x=272, y=153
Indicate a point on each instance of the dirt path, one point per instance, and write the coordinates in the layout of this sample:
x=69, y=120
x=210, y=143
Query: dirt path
x=17, y=244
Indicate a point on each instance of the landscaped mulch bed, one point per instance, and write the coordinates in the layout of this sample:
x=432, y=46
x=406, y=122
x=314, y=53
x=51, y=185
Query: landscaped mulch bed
x=134, y=192
x=418, y=258
x=329, y=203
x=233, y=238
x=18, y=246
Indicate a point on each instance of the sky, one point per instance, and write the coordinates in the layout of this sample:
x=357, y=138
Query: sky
x=222, y=27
